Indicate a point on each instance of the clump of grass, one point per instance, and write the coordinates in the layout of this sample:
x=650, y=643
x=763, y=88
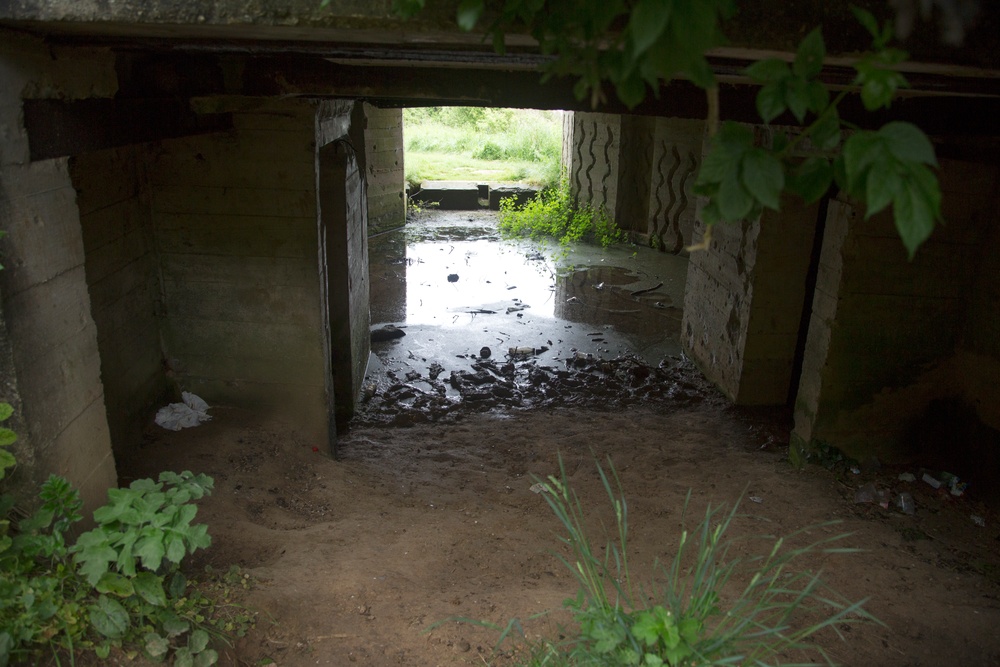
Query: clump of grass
x=680, y=615
x=552, y=214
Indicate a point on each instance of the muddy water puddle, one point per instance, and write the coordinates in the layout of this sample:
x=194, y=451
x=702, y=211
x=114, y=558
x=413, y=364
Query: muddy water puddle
x=492, y=323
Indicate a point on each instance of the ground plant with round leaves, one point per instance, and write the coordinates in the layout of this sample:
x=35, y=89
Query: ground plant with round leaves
x=635, y=47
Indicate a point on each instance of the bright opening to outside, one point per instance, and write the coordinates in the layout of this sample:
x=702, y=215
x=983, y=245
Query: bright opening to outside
x=482, y=145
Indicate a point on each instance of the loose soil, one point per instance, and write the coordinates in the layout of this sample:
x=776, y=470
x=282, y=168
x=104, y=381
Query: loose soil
x=354, y=560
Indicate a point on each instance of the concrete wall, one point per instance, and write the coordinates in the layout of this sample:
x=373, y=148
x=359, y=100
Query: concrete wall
x=888, y=336
x=677, y=147
x=114, y=199
x=235, y=229
x=380, y=159
x=50, y=332
x=640, y=169
x=594, y=162
x=343, y=228
x=743, y=303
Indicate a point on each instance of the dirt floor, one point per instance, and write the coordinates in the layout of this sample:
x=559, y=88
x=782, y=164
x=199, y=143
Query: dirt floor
x=353, y=560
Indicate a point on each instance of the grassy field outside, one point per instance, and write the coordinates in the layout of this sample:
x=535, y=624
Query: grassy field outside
x=482, y=145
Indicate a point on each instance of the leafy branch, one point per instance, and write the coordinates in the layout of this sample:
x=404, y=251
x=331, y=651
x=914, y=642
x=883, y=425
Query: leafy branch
x=638, y=45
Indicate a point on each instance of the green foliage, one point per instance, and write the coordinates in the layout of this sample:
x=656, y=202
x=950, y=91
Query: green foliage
x=119, y=586
x=679, y=616
x=637, y=45
x=144, y=524
x=630, y=44
x=552, y=214
x=7, y=438
x=471, y=143
x=891, y=165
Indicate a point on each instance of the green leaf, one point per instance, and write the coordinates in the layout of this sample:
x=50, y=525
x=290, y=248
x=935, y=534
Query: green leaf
x=763, y=177
x=198, y=641
x=198, y=537
x=700, y=73
x=811, y=179
x=771, y=101
x=860, y=151
x=7, y=460
x=826, y=131
x=7, y=437
x=177, y=586
x=109, y=617
x=734, y=201
x=914, y=218
x=149, y=586
x=172, y=624
x=797, y=96
x=881, y=188
x=206, y=658
x=6, y=410
x=907, y=143
x=155, y=645
x=150, y=550
x=866, y=19
x=468, y=13
x=649, y=18
x=809, y=56
x=819, y=96
x=115, y=584
x=631, y=91
x=771, y=70
x=175, y=549
x=183, y=657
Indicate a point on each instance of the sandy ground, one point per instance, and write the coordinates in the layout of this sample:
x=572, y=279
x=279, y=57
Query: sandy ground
x=354, y=559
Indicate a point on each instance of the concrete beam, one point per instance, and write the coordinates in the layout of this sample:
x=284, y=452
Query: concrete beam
x=59, y=128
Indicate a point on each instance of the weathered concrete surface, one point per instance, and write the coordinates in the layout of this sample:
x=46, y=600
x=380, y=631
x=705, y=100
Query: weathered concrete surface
x=884, y=331
x=51, y=334
x=343, y=229
x=235, y=229
x=381, y=162
x=759, y=24
x=449, y=195
x=123, y=284
x=677, y=147
x=743, y=303
x=522, y=194
x=593, y=163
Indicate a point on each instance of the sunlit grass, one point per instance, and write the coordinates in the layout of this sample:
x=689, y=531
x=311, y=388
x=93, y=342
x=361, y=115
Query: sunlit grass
x=482, y=145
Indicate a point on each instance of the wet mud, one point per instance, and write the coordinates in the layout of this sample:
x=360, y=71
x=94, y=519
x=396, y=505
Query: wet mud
x=464, y=321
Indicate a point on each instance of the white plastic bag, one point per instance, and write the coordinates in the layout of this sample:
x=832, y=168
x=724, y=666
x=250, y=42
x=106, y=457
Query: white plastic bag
x=188, y=414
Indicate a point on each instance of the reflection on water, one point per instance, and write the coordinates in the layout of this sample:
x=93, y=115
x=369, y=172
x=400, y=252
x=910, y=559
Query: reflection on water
x=456, y=287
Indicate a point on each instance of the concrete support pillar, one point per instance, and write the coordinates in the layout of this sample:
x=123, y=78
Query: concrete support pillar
x=676, y=147
x=889, y=335
x=743, y=303
x=595, y=160
x=50, y=335
x=377, y=137
x=639, y=169
x=343, y=229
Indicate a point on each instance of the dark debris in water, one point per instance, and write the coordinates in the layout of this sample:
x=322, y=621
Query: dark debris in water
x=491, y=385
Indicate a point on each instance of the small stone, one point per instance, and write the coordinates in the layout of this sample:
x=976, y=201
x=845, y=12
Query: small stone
x=453, y=277
x=485, y=353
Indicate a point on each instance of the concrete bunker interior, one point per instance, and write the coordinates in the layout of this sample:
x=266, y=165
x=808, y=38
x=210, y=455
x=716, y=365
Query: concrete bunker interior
x=191, y=216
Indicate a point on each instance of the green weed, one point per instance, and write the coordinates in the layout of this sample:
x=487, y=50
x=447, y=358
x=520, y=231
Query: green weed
x=552, y=214
x=704, y=607
x=119, y=585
